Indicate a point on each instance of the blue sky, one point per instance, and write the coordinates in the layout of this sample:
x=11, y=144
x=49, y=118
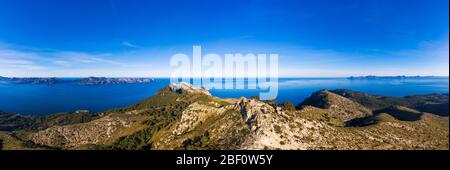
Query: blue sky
x=314, y=38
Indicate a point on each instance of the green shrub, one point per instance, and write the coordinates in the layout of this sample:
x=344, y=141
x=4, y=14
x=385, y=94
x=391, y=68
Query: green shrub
x=197, y=143
x=277, y=129
x=288, y=106
x=135, y=141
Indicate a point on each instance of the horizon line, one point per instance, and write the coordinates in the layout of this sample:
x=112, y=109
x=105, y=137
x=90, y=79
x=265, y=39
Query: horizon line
x=447, y=76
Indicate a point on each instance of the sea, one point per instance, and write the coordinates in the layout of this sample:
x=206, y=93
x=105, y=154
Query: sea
x=33, y=99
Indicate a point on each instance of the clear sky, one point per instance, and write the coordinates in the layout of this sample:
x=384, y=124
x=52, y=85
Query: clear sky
x=314, y=38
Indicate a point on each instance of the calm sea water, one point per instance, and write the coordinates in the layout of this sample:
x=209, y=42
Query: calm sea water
x=46, y=99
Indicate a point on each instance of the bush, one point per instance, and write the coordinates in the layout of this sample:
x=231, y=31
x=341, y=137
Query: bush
x=277, y=129
x=288, y=106
x=197, y=143
x=135, y=141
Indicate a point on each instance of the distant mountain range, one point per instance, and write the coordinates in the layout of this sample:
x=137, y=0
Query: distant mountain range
x=126, y=80
x=84, y=81
x=181, y=116
x=393, y=77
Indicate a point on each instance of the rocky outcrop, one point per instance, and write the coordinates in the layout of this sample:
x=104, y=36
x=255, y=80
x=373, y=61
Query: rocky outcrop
x=195, y=114
x=252, y=110
x=185, y=88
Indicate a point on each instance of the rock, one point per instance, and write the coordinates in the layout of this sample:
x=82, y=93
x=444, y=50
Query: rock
x=194, y=115
x=252, y=109
x=185, y=88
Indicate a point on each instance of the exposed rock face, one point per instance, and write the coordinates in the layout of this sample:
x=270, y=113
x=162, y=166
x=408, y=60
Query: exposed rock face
x=184, y=88
x=196, y=114
x=252, y=110
x=269, y=126
x=338, y=107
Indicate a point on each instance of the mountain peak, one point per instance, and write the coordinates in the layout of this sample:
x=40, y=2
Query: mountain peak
x=186, y=88
x=338, y=107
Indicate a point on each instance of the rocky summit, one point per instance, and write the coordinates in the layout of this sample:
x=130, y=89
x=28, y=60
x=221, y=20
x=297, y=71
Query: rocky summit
x=181, y=116
x=183, y=88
